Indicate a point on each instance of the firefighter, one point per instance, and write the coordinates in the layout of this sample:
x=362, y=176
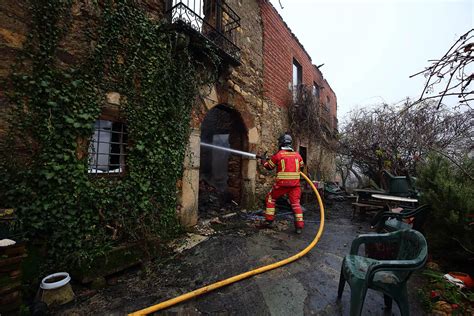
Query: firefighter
x=288, y=164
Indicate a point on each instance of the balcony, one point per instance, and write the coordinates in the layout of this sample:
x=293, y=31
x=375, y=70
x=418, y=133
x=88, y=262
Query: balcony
x=211, y=19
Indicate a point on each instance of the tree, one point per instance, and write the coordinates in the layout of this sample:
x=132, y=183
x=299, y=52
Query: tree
x=452, y=73
x=397, y=138
x=451, y=196
x=345, y=167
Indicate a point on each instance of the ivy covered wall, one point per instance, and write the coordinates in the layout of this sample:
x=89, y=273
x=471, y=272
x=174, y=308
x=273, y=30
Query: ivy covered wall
x=57, y=91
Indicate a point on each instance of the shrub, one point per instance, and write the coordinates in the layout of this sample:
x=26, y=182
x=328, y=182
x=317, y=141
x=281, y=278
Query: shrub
x=450, y=192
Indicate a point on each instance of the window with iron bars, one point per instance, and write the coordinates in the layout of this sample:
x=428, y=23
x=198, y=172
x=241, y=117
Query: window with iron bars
x=107, y=149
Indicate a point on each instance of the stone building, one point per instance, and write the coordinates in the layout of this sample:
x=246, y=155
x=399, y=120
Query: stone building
x=246, y=109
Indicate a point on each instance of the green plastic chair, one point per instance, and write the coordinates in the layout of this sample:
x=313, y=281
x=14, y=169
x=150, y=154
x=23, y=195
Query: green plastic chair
x=389, y=221
x=387, y=276
x=400, y=185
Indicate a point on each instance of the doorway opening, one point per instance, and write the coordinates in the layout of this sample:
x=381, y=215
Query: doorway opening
x=220, y=173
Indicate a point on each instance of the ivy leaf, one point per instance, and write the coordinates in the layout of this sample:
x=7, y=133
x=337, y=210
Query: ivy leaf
x=76, y=83
x=57, y=167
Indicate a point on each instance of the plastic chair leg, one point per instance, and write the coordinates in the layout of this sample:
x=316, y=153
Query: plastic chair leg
x=388, y=302
x=342, y=282
x=357, y=299
x=402, y=302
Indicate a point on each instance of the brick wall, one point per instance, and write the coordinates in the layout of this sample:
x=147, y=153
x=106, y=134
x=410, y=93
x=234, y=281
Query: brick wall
x=280, y=47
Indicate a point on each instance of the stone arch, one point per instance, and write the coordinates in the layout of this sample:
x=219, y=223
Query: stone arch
x=242, y=171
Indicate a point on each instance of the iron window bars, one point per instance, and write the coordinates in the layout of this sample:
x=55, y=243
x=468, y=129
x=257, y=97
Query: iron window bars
x=107, y=149
x=213, y=19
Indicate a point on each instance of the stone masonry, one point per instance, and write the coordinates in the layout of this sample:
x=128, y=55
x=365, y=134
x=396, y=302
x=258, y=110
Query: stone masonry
x=256, y=92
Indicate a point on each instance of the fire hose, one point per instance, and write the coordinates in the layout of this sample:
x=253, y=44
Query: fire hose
x=245, y=275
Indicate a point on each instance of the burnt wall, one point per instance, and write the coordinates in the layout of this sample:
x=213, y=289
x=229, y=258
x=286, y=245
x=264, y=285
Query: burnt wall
x=280, y=47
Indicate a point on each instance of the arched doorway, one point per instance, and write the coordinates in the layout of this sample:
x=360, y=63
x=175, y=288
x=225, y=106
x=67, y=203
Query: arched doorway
x=221, y=173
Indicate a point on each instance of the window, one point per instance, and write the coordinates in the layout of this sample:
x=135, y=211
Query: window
x=315, y=91
x=297, y=73
x=297, y=78
x=303, y=152
x=107, y=149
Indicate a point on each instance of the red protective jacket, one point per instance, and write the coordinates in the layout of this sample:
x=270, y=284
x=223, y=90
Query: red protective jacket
x=289, y=164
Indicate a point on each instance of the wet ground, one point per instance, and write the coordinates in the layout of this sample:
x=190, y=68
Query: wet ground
x=226, y=246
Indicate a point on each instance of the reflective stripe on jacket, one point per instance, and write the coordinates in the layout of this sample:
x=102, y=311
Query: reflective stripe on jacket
x=288, y=164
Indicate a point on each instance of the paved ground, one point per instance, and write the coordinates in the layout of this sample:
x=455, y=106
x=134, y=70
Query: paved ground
x=306, y=287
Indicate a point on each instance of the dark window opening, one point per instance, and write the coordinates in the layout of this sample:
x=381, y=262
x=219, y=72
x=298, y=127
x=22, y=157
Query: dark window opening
x=107, y=149
x=303, y=151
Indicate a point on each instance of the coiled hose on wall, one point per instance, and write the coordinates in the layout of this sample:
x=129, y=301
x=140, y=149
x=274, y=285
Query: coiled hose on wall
x=245, y=275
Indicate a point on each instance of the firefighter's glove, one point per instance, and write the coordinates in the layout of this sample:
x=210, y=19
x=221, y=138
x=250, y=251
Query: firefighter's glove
x=263, y=158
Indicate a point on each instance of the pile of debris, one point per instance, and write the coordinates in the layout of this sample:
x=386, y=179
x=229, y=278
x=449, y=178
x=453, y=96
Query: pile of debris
x=332, y=191
x=447, y=294
x=213, y=202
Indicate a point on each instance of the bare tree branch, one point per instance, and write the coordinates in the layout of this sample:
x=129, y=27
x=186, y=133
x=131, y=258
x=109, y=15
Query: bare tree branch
x=454, y=162
x=450, y=72
x=397, y=138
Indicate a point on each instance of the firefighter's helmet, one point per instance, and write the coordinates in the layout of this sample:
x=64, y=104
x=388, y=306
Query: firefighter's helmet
x=285, y=140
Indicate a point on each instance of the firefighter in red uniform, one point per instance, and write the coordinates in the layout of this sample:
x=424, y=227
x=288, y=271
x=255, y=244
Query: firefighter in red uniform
x=288, y=164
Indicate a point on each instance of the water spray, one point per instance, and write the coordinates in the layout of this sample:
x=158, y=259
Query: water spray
x=235, y=151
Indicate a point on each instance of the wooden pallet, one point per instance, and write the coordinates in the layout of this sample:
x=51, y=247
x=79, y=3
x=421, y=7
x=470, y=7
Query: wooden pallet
x=10, y=276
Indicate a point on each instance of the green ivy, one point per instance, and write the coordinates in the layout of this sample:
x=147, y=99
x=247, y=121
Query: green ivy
x=45, y=177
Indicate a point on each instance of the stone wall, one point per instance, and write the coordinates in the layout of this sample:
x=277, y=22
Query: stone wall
x=13, y=31
x=257, y=89
x=14, y=19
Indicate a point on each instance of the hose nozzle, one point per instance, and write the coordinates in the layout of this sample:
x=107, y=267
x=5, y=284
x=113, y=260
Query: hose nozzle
x=262, y=157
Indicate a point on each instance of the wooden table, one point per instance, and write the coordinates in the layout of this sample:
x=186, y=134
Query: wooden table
x=364, y=203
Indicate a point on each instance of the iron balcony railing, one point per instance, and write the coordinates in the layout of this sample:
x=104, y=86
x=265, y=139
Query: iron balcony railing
x=213, y=19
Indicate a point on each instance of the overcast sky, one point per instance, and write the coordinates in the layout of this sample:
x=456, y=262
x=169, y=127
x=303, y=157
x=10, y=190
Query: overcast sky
x=370, y=47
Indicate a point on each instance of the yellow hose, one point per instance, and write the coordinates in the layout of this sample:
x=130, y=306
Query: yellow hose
x=211, y=287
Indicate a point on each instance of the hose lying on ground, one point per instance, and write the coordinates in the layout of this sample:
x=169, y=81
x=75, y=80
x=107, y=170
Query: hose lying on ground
x=214, y=286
